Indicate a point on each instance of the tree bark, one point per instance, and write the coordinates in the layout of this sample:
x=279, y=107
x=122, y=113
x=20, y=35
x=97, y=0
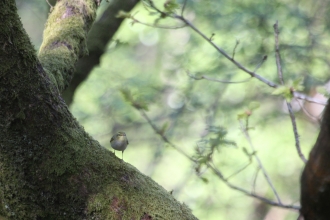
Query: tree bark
x=50, y=167
x=99, y=36
x=315, y=179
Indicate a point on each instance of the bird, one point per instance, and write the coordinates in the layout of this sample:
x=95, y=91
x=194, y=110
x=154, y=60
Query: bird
x=119, y=142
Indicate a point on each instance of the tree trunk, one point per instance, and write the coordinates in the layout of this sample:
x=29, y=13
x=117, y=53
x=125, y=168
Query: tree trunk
x=50, y=167
x=315, y=180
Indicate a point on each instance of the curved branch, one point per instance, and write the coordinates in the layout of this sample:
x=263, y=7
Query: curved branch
x=65, y=37
x=98, y=38
x=220, y=50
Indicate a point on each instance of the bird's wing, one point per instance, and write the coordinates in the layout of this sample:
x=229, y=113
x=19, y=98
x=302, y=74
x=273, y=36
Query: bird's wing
x=127, y=141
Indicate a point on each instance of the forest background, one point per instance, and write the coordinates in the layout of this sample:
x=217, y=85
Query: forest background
x=160, y=67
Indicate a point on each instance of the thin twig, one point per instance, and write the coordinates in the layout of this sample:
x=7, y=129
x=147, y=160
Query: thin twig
x=264, y=58
x=307, y=112
x=212, y=37
x=277, y=54
x=299, y=95
x=153, y=6
x=51, y=7
x=214, y=170
x=240, y=170
x=295, y=132
x=264, y=172
x=234, y=50
x=217, y=80
x=280, y=75
x=237, y=64
x=255, y=180
x=183, y=7
x=165, y=139
x=240, y=66
x=220, y=50
x=134, y=20
x=265, y=200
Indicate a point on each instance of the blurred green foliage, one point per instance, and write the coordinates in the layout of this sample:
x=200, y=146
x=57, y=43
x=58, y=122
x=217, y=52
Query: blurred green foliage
x=150, y=65
x=286, y=90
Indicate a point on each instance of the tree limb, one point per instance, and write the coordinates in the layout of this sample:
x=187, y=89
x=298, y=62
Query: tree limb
x=99, y=36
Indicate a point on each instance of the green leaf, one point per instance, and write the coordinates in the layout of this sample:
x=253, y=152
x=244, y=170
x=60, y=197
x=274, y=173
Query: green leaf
x=230, y=143
x=281, y=90
x=246, y=152
x=297, y=84
x=243, y=115
x=171, y=6
x=217, y=130
x=205, y=180
x=285, y=91
x=164, y=128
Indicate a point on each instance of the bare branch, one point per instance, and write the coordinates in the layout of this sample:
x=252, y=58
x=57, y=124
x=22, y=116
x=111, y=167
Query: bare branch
x=299, y=95
x=270, y=183
x=265, y=200
x=220, y=50
x=183, y=7
x=237, y=64
x=216, y=80
x=280, y=74
x=307, y=112
x=164, y=138
x=234, y=50
x=264, y=58
x=50, y=5
x=214, y=170
x=255, y=179
x=277, y=53
x=134, y=20
x=240, y=170
x=295, y=132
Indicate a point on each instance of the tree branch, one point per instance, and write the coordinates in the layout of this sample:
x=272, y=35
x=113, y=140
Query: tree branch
x=164, y=138
x=65, y=37
x=263, y=199
x=220, y=50
x=270, y=183
x=214, y=170
x=280, y=74
x=99, y=36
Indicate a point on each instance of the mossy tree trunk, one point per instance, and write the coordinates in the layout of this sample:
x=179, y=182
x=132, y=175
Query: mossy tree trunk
x=50, y=167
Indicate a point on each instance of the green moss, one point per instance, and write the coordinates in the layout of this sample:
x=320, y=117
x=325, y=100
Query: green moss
x=132, y=196
x=65, y=39
x=50, y=167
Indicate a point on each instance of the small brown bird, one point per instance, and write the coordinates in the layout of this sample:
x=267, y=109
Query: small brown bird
x=119, y=142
